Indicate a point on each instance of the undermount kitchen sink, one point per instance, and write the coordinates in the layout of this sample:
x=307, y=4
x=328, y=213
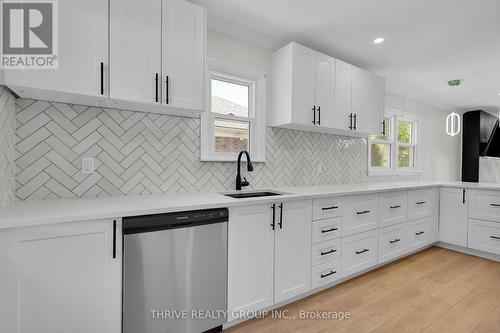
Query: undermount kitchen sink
x=251, y=194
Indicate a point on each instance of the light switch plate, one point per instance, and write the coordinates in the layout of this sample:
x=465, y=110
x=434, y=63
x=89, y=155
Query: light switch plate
x=88, y=165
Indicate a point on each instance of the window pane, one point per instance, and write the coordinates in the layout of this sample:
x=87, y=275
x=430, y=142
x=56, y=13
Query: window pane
x=231, y=136
x=405, y=131
x=405, y=157
x=229, y=98
x=387, y=128
x=380, y=155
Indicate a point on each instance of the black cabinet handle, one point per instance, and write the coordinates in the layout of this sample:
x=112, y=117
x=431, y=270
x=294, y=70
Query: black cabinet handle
x=355, y=121
x=495, y=237
x=314, y=115
x=363, y=212
x=273, y=207
x=350, y=121
x=328, y=274
x=328, y=252
x=167, y=82
x=319, y=115
x=329, y=208
x=362, y=251
x=463, y=196
x=494, y=204
x=156, y=80
x=102, y=78
x=397, y=206
x=281, y=216
x=114, y=239
x=324, y=231
x=383, y=127
x=395, y=241
x=420, y=233
x=420, y=202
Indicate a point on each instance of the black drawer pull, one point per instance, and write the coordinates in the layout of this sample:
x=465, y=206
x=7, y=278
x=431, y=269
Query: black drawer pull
x=494, y=204
x=397, y=206
x=330, y=208
x=328, y=230
x=395, y=241
x=328, y=252
x=420, y=202
x=495, y=237
x=362, y=251
x=273, y=207
x=114, y=239
x=328, y=274
x=314, y=115
x=420, y=233
x=363, y=212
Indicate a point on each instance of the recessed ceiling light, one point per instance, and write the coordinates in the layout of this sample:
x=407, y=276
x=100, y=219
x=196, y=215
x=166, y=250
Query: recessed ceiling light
x=378, y=40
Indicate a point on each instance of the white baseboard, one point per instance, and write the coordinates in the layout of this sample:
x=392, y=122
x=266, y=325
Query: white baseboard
x=472, y=252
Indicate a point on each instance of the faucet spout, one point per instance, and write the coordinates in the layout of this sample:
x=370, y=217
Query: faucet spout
x=239, y=183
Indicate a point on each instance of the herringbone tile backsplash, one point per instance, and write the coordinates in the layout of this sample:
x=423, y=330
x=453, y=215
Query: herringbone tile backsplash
x=7, y=151
x=147, y=153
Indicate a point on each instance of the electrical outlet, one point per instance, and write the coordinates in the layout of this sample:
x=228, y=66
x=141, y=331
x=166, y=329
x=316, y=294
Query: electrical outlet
x=320, y=168
x=88, y=165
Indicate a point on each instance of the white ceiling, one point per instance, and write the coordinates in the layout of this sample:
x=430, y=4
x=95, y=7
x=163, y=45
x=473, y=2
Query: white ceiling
x=427, y=42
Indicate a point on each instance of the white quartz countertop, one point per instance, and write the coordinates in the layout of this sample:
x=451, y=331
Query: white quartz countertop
x=40, y=212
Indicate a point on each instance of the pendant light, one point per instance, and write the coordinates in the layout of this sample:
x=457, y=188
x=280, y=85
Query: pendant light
x=453, y=119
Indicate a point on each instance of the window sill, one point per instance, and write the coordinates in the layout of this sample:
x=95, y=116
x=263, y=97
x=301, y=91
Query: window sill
x=393, y=172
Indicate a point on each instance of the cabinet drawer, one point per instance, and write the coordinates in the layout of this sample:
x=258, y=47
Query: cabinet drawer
x=393, y=208
x=484, y=236
x=392, y=242
x=421, y=233
x=485, y=205
x=359, y=213
x=326, y=208
x=326, y=251
x=323, y=230
x=325, y=273
x=420, y=203
x=359, y=252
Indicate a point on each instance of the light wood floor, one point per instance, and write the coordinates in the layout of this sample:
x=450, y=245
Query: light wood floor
x=436, y=290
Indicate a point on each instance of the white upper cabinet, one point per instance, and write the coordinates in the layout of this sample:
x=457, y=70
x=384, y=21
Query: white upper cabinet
x=68, y=274
x=135, y=50
x=315, y=92
x=368, y=96
x=82, y=51
x=183, y=54
x=303, y=88
x=343, y=119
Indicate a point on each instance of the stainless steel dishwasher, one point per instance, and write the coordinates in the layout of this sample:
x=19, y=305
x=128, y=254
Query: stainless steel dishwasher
x=175, y=272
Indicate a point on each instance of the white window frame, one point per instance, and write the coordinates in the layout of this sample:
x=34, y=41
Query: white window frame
x=392, y=140
x=257, y=84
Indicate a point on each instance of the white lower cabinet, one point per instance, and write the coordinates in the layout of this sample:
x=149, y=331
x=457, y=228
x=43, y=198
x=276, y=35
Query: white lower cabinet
x=292, y=256
x=453, y=216
x=421, y=233
x=269, y=254
x=61, y=278
x=485, y=205
x=359, y=252
x=326, y=273
x=393, y=208
x=323, y=230
x=392, y=242
x=359, y=213
x=484, y=236
x=326, y=251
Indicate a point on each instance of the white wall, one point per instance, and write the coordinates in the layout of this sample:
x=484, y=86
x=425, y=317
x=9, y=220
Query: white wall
x=440, y=152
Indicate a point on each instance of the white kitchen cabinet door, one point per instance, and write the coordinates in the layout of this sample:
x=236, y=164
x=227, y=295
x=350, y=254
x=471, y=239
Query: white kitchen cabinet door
x=325, y=81
x=421, y=233
x=359, y=252
x=82, y=47
x=368, y=96
x=135, y=50
x=304, y=85
x=293, y=251
x=392, y=242
x=183, y=54
x=453, y=216
x=484, y=236
x=250, y=258
x=61, y=278
x=343, y=94
x=359, y=213
x=393, y=208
